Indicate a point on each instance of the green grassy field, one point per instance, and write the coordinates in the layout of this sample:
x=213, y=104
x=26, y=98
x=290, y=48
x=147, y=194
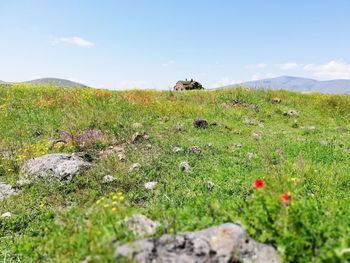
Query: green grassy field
x=68, y=222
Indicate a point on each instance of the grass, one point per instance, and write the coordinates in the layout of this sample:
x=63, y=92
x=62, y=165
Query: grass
x=80, y=219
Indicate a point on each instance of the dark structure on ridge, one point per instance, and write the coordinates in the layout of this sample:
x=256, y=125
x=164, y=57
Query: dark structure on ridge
x=187, y=85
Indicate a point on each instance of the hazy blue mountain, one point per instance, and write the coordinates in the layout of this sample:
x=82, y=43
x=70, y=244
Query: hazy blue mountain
x=51, y=81
x=301, y=84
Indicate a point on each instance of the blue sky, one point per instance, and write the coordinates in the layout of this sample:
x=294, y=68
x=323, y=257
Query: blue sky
x=153, y=43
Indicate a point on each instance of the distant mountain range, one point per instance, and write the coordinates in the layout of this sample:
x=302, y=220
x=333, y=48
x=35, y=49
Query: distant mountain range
x=341, y=86
x=51, y=81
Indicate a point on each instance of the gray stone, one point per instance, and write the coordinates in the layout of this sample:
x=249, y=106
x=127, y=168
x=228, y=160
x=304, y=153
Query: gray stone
x=250, y=155
x=323, y=142
x=57, y=166
x=149, y=146
x=185, y=166
x=135, y=166
x=137, y=137
x=6, y=190
x=257, y=135
x=150, y=185
x=291, y=113
x=107, y=179
x=177, y=149
x=7, y=214
x=210, y=186
x=140, y=225
x=225, y=243
x=195, y=149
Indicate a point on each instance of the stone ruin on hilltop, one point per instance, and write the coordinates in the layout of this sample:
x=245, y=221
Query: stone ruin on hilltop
x=187, y=85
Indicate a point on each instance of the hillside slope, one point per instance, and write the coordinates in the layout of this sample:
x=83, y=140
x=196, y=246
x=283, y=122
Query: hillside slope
x=300, y=147
x=50, y=81
x=56, y=82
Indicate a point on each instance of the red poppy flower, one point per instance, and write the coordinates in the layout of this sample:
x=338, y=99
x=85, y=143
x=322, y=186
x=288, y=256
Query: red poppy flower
x=286, y=198
x=259, y=183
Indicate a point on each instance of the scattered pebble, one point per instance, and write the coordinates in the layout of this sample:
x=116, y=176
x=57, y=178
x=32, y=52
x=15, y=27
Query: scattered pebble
x=250, y=155
x=291, y=113
x=185, y=166
x=323, y=142
x=150, y=185
x=200, y=123
x=195, y=149
x=311, y=127
x=136, y=137
x=7, y=214
x=210, y=186
x=176, y=149
x=257, y=135
x=276, y=100
x=107, y=179
x=121, y=156
x=135, y=166
x=6, y=190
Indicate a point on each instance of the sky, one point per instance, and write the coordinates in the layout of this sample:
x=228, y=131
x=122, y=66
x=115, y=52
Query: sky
x=124, y=44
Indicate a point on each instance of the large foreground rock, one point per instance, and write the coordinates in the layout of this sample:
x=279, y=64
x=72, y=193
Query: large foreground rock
x=224, y=243
x=57, y=166
x=6, y=190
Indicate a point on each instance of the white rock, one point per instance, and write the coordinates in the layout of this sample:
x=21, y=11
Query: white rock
x=195, y=149
x=177, y=149
x=135, y=166
x=6, y=190
x=323, y=142
x=57, y=166
x=150, y=185
x=107, y=179
x=7, y=214
x=185, y=166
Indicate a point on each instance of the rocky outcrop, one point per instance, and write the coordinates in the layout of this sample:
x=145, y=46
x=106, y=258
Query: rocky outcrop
x=6, y=190
x=55, y=166
x=225, y=243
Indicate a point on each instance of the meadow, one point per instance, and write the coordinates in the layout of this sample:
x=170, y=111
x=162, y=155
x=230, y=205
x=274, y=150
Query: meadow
x=284, y=176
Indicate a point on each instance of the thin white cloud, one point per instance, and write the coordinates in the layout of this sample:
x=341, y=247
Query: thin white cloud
x=334, y=69
x=77, y=41
x=256, y=66
x=168, y=63
x=289, y=66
